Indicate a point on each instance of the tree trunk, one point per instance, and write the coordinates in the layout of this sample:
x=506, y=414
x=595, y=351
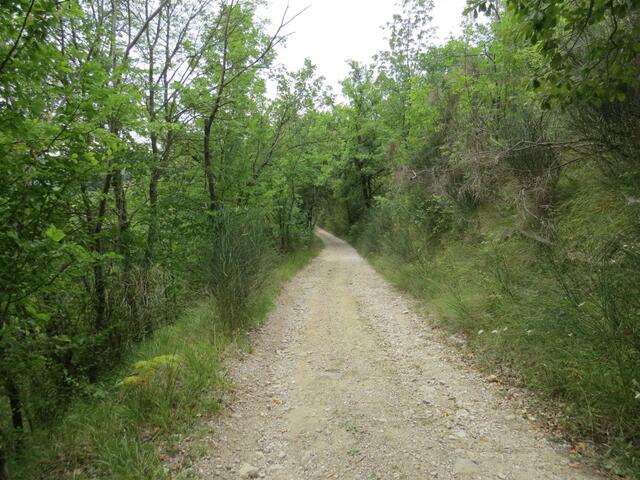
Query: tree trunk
x=4, y=473
x=152, y=232
x=208, y=169
x=98, y=270
x=17, y=420
x=124, y=247
x=123, y=217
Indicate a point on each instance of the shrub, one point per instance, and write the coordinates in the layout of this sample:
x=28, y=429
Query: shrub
x=534, y=163
x=404, y=226
x=239, y=258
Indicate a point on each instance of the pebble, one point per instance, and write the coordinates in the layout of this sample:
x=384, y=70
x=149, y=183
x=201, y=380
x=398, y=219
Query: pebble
x=248, y=471
x=465, y=466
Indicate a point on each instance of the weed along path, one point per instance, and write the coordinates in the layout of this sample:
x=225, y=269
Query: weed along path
x=346, y=381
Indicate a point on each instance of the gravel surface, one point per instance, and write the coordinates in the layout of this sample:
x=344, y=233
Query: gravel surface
x=347, y=381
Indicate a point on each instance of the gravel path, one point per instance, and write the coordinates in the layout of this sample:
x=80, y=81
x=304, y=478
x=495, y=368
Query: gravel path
x=347, y=381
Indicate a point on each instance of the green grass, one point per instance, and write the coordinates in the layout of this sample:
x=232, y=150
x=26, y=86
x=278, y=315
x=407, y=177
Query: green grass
x=501, y=292
x=125, y=425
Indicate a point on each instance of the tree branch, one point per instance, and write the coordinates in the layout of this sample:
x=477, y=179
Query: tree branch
x=15, y=44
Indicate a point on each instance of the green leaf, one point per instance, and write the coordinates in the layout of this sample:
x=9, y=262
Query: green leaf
x=31, y=310
x=54, y=233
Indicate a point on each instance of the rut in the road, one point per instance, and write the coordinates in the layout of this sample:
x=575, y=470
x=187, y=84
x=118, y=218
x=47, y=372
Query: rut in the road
x=346, y=381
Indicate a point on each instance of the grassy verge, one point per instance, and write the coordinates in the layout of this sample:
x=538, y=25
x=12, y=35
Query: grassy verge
x=524, y=342
x=128, y=423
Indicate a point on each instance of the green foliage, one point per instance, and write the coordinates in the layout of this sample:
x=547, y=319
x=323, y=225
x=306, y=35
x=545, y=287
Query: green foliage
x=126, y=424
x=406, y=226
x=148, y=371
x=110, y=114
x=122, y=425
x=591, y=47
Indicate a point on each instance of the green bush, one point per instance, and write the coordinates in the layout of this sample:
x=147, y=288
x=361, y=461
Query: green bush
x=404, y=226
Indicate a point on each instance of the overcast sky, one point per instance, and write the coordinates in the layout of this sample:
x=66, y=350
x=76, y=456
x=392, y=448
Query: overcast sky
x=331, y=32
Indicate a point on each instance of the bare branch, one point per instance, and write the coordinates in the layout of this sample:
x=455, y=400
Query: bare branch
x=143, y=29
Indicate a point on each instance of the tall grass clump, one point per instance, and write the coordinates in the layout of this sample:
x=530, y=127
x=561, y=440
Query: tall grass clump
x=241, y=254
x=602, y=290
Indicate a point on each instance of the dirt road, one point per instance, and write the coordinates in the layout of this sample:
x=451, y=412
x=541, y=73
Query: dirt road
x=347, y=381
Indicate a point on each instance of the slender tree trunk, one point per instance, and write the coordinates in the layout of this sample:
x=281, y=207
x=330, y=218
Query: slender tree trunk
x=98, y=270
x=152, y=232
x=15, y=405
x=4, y=472
x=365, y=191
x=208, y=124
x=124, y=247
x=123, y=217
x=207, y=163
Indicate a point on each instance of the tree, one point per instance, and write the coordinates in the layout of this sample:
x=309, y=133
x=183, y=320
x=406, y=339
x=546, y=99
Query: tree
x=362, y=143
x=591, y=47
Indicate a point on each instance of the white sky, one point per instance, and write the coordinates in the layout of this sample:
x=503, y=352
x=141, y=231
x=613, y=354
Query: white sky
x=331, y=32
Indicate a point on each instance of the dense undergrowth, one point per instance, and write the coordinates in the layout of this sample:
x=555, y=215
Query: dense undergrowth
x=128, y=424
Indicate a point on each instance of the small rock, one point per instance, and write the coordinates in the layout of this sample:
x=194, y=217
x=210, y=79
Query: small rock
x=492, y=379
x=464, y=466
x=248, y=471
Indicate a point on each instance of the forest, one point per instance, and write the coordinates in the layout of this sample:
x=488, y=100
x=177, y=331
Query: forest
x=154, y=194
